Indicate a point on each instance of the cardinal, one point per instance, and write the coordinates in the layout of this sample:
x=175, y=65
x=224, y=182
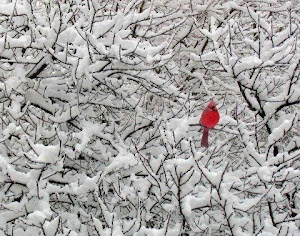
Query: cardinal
x=209, y=119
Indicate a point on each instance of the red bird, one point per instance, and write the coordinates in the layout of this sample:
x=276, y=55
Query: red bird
x=209, y=118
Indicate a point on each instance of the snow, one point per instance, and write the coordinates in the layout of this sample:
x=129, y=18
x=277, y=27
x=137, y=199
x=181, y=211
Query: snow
x=23, y=41
x=44, y=154
x=36, y=218
x=99, y=118
x=265, y=173
x=89, y=184
x=85, y=135
x=269, y=229
x=193, y=202
x=11, y=83
x=9, y=8
x=179, y=127
x=279, y=132
x=15, y=175
x=122, y=160
x=69, y=35
x=247, y=64
x=247, y=204
x=11, y=129
x=141, y=184
x=51, y=227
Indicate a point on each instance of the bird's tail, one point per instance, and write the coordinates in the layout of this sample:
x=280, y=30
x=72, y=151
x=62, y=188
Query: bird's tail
x=204, y=142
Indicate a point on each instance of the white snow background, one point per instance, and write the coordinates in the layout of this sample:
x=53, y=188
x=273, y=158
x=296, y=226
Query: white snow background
x=99, y=109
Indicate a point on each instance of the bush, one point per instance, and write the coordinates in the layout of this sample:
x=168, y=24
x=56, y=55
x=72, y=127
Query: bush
x=100, y=103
